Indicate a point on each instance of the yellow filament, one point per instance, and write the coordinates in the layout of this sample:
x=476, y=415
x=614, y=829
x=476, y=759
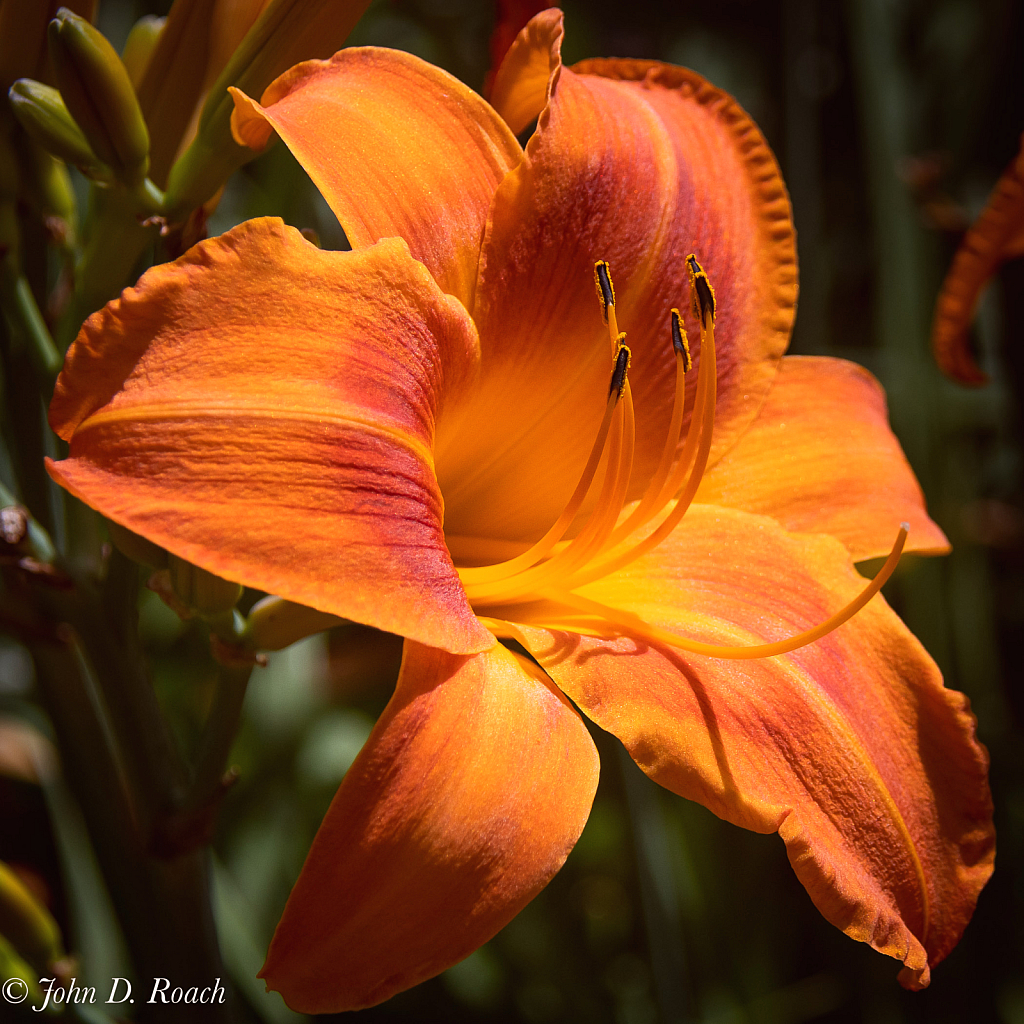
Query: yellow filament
x=707, y=389
x=544, y=547
x=637, y=625
x=593, y=536
x=522, y=579
x=662, y=487
x=613, y=329
x=534, y=577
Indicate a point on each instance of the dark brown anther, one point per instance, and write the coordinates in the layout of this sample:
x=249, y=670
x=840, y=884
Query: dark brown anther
x=605, y=289
x=680, y=342
x=618, y=384
x=702, y=295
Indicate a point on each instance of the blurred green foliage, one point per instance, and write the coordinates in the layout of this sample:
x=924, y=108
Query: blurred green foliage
x=891, y=119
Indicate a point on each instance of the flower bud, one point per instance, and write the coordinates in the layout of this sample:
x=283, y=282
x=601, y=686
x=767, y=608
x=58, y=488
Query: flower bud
x=202, y=591
x=274, y=623
x=99, y=95
x=45, y=118
x=286, y=32
x=139, y=46
x=137, y=548
x=26, y=923
x=23, y=51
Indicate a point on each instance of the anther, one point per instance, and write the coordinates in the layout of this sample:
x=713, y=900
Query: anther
x=680, y=342
x=702, y=295
x=605, y=290
x=618, y=383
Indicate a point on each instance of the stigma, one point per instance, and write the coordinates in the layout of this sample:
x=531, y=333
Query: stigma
x=607, y=539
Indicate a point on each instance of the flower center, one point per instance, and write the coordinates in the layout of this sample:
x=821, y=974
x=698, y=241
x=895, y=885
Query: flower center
x=554, y=569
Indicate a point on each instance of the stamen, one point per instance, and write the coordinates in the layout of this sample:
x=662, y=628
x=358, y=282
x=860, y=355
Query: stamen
x=702, y=295
x=701, y=426
x=605, y=288
x=541, y=572
x=591, y=539
x=657, y=493
x=680, y=342
x=622, y=359
x=606, y=296
x=544, y=546
x=637, y=625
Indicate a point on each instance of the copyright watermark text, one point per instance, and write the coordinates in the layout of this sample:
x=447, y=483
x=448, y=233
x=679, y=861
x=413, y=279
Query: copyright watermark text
x=50, y=994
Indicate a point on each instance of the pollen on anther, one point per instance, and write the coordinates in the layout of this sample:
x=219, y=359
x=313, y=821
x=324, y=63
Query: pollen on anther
x=702, y=295
x=605, y=289
x=680, y=342
x=618, y=383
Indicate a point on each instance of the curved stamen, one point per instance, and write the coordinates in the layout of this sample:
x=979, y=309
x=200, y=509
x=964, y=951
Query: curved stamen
x=521, y=580
x=637, y=625
x=582, y=548
x=546, y=544
x=707, y=389
x=662, y=486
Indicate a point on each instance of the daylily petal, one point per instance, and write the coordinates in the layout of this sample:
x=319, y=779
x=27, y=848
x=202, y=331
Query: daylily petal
x=820, y=458
x=397, y=147
x=260, y=381
x=638, y=173
x=996, y=236
x=468, y=796
x=520, y=86
x=850, y=748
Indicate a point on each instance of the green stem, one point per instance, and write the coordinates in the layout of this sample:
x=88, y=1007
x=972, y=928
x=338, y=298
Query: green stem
x=163, y=905
x=115, y=744
x=28, y=327
x=23, y=431
x=114, y=240
x=218, y=737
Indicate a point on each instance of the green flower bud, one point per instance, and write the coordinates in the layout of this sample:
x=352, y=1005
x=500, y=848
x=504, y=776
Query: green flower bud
x=206, y=594
x=98, y=92
x=285, y=33
x=139, y=46
x=274, y=623
x=45, y=118
x=137, y=548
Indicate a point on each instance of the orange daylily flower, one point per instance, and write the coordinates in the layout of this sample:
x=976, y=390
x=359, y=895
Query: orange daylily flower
x=995, y=237
x=388, y=435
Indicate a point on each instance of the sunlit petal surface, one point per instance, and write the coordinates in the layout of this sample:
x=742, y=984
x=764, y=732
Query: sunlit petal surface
x=266, y=410
x=639, y=173
x=850, y=748
x=820, y=458
x=397, y=147
x=466, y=799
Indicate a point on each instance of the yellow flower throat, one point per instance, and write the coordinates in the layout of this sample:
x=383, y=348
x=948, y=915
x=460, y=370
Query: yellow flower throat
x=553, y=570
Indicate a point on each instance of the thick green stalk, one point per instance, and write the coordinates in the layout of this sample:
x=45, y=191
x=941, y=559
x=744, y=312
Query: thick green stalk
x=116, y=235
x=163, y=905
